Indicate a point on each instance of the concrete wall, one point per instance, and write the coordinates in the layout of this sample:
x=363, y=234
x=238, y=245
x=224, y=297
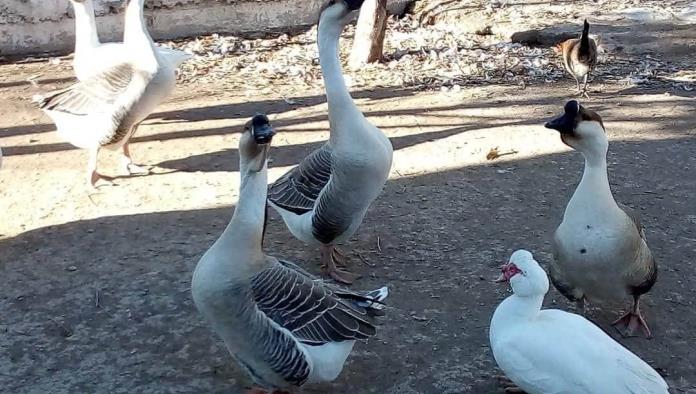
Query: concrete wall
x=34, y=26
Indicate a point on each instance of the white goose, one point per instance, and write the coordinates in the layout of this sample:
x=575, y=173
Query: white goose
x=282, y=325
x=600, y=248
x=92, y=57
x=324, y=199
x=106, y=109
x=552, y=351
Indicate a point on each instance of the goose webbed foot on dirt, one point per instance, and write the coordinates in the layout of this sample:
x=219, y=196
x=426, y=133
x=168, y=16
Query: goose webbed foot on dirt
x=333, y=263
x=628, y=324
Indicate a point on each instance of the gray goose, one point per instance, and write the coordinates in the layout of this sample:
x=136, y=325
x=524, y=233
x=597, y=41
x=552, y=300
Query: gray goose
x=284, y=326
x=600, y=249
x=106, y=109
x=324, y=199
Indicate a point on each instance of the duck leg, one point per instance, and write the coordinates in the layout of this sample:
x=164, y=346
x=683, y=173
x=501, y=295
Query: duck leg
x=331, y=259
x=92, y=175
x=577, y=85
x=631, y=321
x=128, y=164
x=584, y=86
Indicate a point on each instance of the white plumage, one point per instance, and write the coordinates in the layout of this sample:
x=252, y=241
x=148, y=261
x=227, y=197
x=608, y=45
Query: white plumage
x=105, y=109
x=93, y=57
x=551, y=351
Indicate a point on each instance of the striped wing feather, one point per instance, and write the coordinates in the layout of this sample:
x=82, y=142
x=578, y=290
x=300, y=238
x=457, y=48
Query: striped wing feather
x=314, y=311
x=298, y=190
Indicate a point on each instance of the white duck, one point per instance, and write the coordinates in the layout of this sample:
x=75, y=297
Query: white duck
x=283, y=325
x=92, y=57
x=106, y=109
x=600, y=248
x=552, y=351
x=324, y=199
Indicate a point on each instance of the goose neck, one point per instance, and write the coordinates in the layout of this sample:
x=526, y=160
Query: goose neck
x=86, y=35
x=245, y=231
x=135, y=31
x=337, y=94
x=594, y=177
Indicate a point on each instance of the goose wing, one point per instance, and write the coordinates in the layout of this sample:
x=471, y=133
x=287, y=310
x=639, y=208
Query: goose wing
x=315, y=312
x=298, y=190
x=118, y=85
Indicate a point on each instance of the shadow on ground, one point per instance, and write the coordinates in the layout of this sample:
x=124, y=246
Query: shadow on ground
x=103, y=305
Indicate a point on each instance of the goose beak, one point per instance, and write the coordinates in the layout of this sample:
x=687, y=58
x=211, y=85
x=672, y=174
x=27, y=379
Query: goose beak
x=565, y=124
x=263, y=134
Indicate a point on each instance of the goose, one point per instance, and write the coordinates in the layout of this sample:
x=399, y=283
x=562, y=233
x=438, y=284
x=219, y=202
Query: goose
x=324, y=199
x=580, y=57
x=552, y=351
x=106, y=109
x=600, y=249
x=284, y=326
x=92, y=57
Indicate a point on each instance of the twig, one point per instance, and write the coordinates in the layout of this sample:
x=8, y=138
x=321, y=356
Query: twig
x=96, y=298
x=363, y=259
x=379, y=246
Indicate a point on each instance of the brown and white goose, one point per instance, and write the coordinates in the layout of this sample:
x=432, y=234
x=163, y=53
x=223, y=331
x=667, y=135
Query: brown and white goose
x=600, y=247
x=324, y=199
x=106, y=109
x=284, y=326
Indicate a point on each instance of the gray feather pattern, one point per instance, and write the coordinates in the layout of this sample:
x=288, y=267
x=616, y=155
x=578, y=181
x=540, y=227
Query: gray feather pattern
x=314, y=311
x=299, y=188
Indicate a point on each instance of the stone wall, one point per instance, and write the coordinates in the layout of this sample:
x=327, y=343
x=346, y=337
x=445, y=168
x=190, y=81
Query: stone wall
x=36, y=26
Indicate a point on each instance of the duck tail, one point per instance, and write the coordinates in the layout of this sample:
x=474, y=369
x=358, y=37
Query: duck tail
x=585, y=38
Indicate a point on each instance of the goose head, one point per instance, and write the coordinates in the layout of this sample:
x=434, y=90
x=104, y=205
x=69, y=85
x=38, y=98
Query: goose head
x=255, y=142
x=582, y=129
x=524, y=274
x=339, y=12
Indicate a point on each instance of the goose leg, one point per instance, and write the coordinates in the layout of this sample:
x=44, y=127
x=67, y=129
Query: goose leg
x=92, y=174
x=631, y=321
x=580, y=306
x=329, y=260
x=128, y=164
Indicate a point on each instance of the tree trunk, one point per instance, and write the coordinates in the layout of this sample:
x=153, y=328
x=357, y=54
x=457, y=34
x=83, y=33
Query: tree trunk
x=369, y=34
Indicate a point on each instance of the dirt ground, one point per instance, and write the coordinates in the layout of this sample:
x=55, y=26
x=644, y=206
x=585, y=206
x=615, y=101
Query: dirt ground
x=95, y=294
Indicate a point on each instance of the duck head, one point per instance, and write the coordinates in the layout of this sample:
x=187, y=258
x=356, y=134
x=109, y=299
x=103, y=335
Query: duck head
x=256, y=142
x=339, y=11
x=582, y=129
x=525, y=275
